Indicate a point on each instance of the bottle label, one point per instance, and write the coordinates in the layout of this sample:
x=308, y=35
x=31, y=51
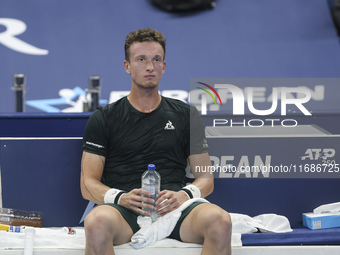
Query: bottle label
x=151, y=189
x=15, y=229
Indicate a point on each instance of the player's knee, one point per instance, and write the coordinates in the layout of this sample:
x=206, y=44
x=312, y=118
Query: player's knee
x=99, y=228
x=219, y=226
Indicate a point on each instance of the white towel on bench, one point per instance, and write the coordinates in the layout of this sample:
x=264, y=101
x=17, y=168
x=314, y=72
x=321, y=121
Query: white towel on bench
x=244, y=224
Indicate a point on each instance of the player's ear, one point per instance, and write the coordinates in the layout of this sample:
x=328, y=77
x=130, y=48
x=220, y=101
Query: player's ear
x=164, y=66
x=127, y=66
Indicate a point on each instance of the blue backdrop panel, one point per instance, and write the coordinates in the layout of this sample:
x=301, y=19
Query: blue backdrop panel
x=43, y=175
x=43, y=125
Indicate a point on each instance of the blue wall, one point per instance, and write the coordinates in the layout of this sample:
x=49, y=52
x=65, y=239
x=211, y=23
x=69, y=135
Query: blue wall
x=238, y=39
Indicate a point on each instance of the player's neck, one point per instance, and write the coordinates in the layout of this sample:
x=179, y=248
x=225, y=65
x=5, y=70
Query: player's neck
x=145, y=102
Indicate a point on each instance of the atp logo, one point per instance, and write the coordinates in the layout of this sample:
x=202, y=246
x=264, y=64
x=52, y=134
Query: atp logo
x=204, y=97
x=318, y=153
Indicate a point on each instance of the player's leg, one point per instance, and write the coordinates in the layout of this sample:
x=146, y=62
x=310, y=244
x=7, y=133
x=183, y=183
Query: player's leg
x=210, y=225
x=104, y=227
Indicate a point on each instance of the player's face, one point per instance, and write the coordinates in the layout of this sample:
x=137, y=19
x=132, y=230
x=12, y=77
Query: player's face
x=146, y=65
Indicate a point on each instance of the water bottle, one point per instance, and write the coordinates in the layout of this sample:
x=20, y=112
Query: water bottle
x=151, y=181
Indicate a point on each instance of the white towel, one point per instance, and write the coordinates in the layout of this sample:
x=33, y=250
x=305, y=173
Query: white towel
x=327, y=208
x=46, y=238
x=161, y=228
x=241, y=224
x=273, y=223
x=244, y=224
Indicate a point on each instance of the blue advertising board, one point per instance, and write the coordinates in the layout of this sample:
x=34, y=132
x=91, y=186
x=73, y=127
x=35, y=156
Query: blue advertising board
x=46, y=178
x=43, y=175
x=278, y=156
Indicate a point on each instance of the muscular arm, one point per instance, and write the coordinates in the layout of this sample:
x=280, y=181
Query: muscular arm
x=92, y=189
x=204, y=180
x=92, y=167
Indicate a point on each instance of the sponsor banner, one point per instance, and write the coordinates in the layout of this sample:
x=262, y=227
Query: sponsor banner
x=72, y=100
x=274, y=157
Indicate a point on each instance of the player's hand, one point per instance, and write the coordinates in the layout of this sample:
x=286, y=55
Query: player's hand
x=133, y=200
x=169, y=201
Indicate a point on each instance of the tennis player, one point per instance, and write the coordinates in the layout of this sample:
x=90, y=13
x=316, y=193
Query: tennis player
x=122, y=138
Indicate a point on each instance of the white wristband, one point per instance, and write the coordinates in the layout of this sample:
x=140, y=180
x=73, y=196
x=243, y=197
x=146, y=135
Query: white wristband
x=112, y=196
x=192, y=191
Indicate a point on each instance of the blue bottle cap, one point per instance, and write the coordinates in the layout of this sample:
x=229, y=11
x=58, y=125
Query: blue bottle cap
x=151, y=167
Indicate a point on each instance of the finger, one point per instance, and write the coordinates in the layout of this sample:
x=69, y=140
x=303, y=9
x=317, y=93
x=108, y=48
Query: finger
x=141, y=199
x=140, y=211
x=167, y=205
x=142, y=202
x=167, y=209
x=140, y=195
x=163, y=192
x=141, y=192
x=161, y=200
x=134, y=201
x=162, y=203
x=164, y=197
x=161, y=207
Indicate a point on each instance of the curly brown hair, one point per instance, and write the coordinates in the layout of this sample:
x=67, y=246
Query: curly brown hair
x=143, y=35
